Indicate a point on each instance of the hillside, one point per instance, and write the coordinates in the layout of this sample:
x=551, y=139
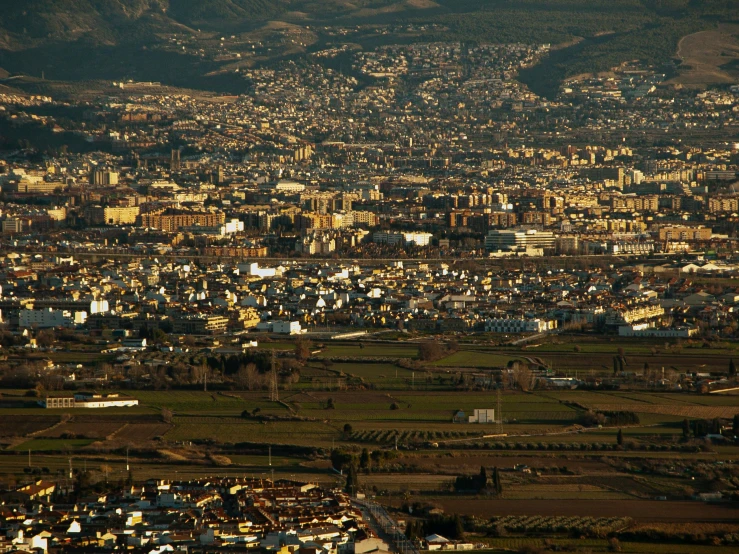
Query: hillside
x=131, y=38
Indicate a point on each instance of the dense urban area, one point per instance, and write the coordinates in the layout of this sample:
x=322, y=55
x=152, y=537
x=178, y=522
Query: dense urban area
x=371, y=299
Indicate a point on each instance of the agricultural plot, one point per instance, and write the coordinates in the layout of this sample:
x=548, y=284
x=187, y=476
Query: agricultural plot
x=388, y=436
x=82, y=430
x=641, y=510
x=141, y=432
x=20, y=426
x=518, y=544
x=369, y=351
x=563, y=492
x=682, y=411
x=192, y=401
x=234, y=430
x=599, y=361
x=46, y=445
x=561, y=524
x=466, y=358
x=470, y=462
x=276, y=345
x=426, y=407
x=386, y=376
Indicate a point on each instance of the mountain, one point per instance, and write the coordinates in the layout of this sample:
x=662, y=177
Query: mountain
x=121, y=39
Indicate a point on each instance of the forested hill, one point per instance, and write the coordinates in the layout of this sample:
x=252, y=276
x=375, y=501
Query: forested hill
x=613, y=31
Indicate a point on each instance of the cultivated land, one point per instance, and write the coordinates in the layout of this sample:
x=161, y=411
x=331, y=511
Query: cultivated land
x=353, y=396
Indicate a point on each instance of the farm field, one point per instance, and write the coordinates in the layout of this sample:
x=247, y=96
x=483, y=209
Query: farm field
x=370, y=350
x=515, y=544
x=234, y=430
x=643, y=510
x=475, y=359
x=385, y=376
x=421, y=415
x=25, y=425
x=39, y=445
x=574, y=471
x=97, y=430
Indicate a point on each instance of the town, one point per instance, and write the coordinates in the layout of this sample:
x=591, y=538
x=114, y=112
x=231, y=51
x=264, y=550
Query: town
x=383, y=299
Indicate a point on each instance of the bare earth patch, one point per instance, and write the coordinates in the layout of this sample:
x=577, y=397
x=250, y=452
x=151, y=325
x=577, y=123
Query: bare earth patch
x=709, y=57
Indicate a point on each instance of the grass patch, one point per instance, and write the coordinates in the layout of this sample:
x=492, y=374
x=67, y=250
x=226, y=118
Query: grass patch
x=475, y=359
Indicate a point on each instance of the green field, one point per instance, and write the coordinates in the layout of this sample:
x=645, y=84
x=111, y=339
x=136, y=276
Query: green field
x=370, y=351
x=475, y=359
x=234, y=430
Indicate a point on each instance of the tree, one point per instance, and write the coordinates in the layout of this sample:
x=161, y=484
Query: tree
x=364, y=460
x=46, y=338
x=716, y=426
x=330, y=404
x=166, y=415
x=302, y=350
x=341, y=460
x=352, y=481
x=458, y=527
x=735, y=426
x=248, y=377
x=430, y=351
x=732, y=368
x=523, y=377
x=497, y=485
x=686, y=427
x=348, y=429
x=615, y=366
x=620, y=438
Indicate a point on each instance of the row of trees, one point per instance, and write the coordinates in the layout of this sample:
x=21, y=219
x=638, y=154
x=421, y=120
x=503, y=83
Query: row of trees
x=447, y=526
x=479, y=482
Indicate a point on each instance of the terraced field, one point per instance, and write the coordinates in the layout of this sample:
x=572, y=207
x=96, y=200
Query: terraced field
x=12, y=425
x=82, y=430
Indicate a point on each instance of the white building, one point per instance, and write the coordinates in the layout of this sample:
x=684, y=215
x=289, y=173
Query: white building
x=417, y=239
x=518, y=325
x=518, y=239
x=254, y=270
x=99, y=306
x=89, y=400
x=286, y=327
x=649, y=330
x=44, y=319
x=289, y=186
x=486, y=415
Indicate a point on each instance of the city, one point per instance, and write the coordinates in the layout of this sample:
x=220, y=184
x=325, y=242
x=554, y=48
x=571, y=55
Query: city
x=370, y=283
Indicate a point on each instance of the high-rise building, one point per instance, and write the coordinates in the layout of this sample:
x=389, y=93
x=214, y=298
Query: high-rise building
x=174, y=160
x=518, y=239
